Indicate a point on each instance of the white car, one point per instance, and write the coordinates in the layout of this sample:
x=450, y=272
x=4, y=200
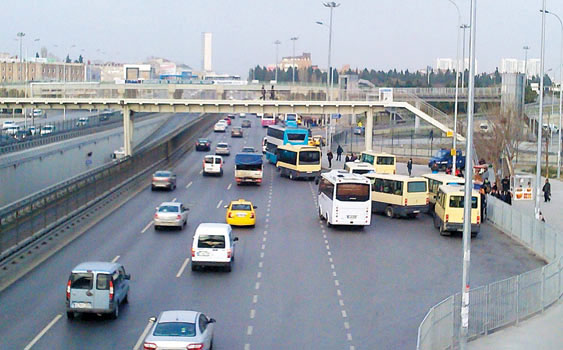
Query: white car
x=171, y=214
x=37, y=113
x=47, y=129
x=7, y=124
x=82, y=121
x=12, y=130
x=32, y=130
x=220, y=126
x=213, y=245
x=242, y=115
x=212, y=165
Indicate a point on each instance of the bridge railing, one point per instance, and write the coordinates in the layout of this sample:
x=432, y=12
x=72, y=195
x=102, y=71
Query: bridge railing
x=26, y=221
x=504, y=302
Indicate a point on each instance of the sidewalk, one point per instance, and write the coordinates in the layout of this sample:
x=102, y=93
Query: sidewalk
x=543, y=331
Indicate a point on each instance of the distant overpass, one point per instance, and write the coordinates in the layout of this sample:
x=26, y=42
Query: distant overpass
x=226, y=106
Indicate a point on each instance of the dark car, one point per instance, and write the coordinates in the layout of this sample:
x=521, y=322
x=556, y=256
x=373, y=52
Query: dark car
x=203, y=145
x=236, y=132
x=246, y=123
x=248, y=149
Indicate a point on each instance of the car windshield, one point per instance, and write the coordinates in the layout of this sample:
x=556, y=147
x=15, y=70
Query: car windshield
x=240, y=207
x=237, y=130
x=385, y=160
x=168, y=209
x=441, y=153
x=211, y=241
x=174, y=329
x=162, y=174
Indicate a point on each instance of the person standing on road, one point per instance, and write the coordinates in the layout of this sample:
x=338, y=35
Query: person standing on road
x=547, y=191
x=409, y=166
x=339, y=151
x=329, y=156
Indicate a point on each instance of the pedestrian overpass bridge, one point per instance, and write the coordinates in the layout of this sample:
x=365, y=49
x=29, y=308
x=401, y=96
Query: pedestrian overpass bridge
x=228, y=106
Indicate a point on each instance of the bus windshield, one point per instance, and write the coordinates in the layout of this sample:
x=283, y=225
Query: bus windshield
x=385, y=160
x=367, y=158
x=352, y=192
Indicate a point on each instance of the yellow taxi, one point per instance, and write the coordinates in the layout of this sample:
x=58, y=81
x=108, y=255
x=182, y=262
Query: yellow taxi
x=316, y=140
x=241, y=213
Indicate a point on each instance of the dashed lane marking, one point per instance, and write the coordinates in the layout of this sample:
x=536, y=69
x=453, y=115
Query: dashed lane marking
x=188, y=185
x=249, y=330
x=181, y=271
x=255, y=299
x=252, y=313
x=219, y=204
x=174, y=200
x=43, y=331
x=229, y=187
x=147, y=227
x=201, y=171
x=143, y=335
x=344, y=314
x=115, y=259
x=246, y=346
x=257, y=285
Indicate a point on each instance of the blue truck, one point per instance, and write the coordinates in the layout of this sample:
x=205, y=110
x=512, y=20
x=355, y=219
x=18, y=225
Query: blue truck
x=444, y=159
x=248, y=168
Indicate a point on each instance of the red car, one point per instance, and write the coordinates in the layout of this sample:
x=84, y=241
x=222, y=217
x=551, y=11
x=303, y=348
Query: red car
x=228, y=120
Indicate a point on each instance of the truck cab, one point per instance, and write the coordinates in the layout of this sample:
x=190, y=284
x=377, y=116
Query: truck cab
x=443, y=159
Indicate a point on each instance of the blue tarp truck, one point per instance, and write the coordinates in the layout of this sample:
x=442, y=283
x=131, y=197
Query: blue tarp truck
x=444, y=159
x=248, y=168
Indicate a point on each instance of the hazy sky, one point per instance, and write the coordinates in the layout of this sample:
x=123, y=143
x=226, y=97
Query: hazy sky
x=378, y=34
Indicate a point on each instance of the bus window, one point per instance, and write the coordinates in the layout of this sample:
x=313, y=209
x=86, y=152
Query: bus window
x=367, y=158
x=327, y=188
x=295, y=137
x=381, y=160
x=287, y=157
x=457, y=202
x=352, y=192
x=309, y=157
x=416, y=186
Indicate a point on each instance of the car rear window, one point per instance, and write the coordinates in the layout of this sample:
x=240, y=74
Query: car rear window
x=222, y=145
x=211, y=241
x=102, y=281
x=168, y=209
x=175, y=329
x=202, y=141
x=240, y=207
x=209, y=160
x=81, y=280
x=162, y=174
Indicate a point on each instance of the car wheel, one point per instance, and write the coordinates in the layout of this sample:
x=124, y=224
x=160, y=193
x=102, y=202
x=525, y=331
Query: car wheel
x=389, y=212
x=152, y=188
x=194, y=267
x=229, y=267
x=115, y=313
x=443, y=230
x=156, y=228
x=126, y=299
x=70, y=315
x=211, y=345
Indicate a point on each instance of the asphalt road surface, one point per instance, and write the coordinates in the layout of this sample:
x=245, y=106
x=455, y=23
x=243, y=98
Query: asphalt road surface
x=295, y=283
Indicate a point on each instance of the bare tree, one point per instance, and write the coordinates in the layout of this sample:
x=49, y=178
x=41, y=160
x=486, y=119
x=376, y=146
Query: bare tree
x=505, y=132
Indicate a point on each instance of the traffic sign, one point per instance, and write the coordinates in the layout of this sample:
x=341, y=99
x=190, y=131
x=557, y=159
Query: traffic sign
x=453, y=152
x=449, y=133
x=336, y=116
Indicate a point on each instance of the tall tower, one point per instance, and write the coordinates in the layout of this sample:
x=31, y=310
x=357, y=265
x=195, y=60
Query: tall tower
x=207, y=51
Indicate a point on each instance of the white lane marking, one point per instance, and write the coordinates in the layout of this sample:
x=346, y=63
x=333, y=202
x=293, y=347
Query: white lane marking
x=267, y=220
x=201, y=171
x=255, y=299
x=116, y=258
x=265, y=232
x=174, y=200
x=260, y=264
x=257, y=286
x=246, y=346
x=336, y=283
x=264, y=239
x=181, y=271
x=344, y=314
x=349, y=336
x=263, y=246
x=43, y=331
x=262, y=254
x=188, y=185
x=330, y=259
x=352, y=347
x=229, y=187
x=219, y=204
x=333, y=273
x=268, y=214
x=327, y=247
x=341, y=302
x=332, y=266
x=326, y=241
x=147, y=227
x=329, y=253
x=346, y=325
x=249, y=330
x=252, y=313
x=143, y=335
x=339, y=292
x=259, y=274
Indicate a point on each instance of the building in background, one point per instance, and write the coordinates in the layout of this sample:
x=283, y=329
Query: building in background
x=445, y=64
x=137, y=72
x=207, y=52
x=513, y=65
x=39, y=69
x=301, y=62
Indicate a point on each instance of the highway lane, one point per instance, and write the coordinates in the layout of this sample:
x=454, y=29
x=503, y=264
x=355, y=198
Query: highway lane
x=371, y=291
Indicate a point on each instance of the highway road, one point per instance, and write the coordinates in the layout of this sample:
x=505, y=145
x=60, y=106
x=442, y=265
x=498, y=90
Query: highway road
x=295, y=283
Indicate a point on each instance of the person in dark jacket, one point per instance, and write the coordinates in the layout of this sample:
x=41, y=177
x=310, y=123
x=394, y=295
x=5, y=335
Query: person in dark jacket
x=505, y=184
x=339, y=151
x=329, y=157
x=409, y=166
x=547, y=191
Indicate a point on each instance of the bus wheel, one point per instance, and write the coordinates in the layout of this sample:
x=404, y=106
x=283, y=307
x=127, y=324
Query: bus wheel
x=389, y=212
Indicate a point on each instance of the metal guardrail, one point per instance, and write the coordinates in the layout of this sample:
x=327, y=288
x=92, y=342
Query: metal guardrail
x=504, y=302
x=35, y=216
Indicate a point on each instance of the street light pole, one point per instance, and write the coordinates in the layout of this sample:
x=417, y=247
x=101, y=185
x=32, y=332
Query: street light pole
x=467, y=205
x=560, y=93
x=526, y=48
x=20, y=36
x=454, y=146
x=294, y=39
x=464, y=27
x=277, y=43
x=331, y=5
x=540, y=117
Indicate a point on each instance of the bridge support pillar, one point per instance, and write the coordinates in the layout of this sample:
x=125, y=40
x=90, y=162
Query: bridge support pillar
x=127, y=131
x=416, y=117
x=369, y=129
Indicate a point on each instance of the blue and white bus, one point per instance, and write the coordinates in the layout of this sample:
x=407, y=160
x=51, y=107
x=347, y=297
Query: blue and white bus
x=279, y=135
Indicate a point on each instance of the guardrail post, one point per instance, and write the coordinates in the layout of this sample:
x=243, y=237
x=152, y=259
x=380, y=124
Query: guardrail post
x=486, y=318
x=542, y=299
x=559, y=275
x=517, y=299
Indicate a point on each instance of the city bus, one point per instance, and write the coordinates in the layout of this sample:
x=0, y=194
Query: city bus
x=267, y=120
x=292, y=119
x=299, y=161
x=437, y=180
x=344, y=198
x=384, y=163
x=398, y=195
x=359, y=168
x=448, y=211
x=278, y=136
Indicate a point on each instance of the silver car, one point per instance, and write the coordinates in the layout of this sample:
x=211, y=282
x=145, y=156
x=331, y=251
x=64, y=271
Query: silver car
x=171, y=214
x=223, y=148
x=179, y=329
x=163, y=179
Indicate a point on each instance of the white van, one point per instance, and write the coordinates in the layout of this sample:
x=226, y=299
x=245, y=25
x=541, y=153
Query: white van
x=213, y=245
x=212, y=165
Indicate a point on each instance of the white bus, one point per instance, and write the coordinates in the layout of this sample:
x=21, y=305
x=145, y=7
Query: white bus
x=344, y=198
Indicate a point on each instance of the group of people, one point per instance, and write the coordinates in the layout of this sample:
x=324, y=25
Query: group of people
x=350, y=157
x=272, y=93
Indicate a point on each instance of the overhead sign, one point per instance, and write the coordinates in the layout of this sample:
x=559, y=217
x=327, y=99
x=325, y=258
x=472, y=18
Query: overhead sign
x=336, y=116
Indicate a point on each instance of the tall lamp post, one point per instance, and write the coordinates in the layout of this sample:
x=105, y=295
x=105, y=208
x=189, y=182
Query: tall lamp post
x=525, y=48
x=293, y=39
x=20, y=36
x=464, y=27
x=468, y=193
x=540, y=117
x=277, y=43
x=560, y=93
x=454, y=148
